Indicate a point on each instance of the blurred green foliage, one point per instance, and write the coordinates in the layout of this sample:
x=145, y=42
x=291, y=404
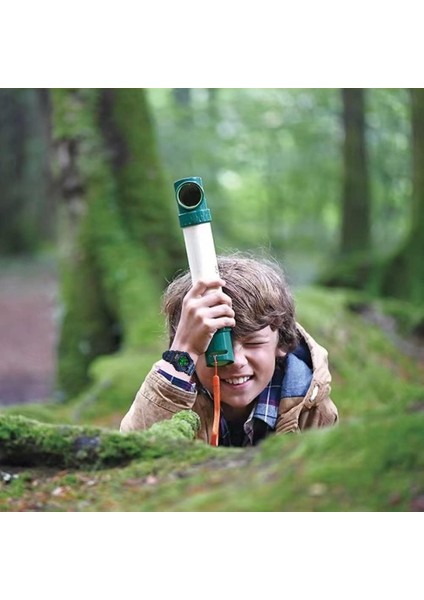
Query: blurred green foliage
x=272, y=167
x=270, y=159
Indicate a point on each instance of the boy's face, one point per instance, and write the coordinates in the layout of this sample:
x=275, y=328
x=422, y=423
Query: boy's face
x=252, y=370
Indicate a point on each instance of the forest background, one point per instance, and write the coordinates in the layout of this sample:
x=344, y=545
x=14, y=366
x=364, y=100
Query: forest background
x=328, y=181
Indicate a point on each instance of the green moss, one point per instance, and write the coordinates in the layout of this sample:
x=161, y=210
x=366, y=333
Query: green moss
x=69, y=120
x=87, y=328
x=123, y=269
x=146, y=200
x=109, y=296
x=368, y=466
x=372, y=461
x=27, y=442
x=372, y=465
x=369, y=372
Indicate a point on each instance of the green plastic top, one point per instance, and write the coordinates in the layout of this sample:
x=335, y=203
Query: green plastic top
x=220, y=349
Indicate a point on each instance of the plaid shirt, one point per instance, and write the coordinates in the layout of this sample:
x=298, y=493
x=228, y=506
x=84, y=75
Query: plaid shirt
x=292, y=377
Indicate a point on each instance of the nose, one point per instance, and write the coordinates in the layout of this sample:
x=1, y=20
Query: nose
x=240, y=359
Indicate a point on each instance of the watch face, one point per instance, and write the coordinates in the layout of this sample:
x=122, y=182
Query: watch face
x=183, y=361
x=180, y=360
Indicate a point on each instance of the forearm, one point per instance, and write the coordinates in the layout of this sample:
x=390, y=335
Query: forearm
x=157, y=399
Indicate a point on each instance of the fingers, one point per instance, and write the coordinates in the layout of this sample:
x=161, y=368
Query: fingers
x=202, y=287
x=215, y=306
x=209, y=293
x=217, y=311
x=205, y=309
x=218, y=323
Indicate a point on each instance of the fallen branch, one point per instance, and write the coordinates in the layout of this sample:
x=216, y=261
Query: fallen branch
x=26, y=442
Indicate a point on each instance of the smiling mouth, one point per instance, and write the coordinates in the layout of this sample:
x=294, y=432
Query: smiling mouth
x=237, y=380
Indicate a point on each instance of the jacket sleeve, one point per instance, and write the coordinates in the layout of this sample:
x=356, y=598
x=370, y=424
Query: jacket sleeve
x=156, y=400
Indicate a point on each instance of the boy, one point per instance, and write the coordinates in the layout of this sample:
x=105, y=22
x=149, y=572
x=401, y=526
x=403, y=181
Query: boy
x=279, y=381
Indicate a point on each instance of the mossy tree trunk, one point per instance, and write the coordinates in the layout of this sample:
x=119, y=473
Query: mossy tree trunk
x=119, y=238
x=352, y=266
x=145, y=197
x=404, y=274
x=30, y=443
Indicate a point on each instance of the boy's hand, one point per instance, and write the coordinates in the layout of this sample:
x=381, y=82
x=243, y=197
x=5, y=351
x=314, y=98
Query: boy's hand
x=205, y=309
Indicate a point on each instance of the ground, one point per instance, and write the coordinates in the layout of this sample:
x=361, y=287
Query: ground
x=28, y=331
x=373, y=461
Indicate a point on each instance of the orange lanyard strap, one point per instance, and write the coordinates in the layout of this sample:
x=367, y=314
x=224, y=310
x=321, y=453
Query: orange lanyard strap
x=216, y=405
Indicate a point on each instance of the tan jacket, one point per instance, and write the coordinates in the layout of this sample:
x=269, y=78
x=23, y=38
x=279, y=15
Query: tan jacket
x=158, y=399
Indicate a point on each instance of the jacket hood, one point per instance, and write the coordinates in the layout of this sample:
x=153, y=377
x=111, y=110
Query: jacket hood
x=313, y=357
x=302, y=373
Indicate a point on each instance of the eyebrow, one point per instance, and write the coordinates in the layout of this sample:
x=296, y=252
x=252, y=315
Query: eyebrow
x=255, y=337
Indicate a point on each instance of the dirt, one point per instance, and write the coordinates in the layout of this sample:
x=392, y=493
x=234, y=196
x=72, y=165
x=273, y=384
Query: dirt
x=29, y=317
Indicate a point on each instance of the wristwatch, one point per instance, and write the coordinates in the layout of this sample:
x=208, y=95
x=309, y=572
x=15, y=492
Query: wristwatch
x=181, y=361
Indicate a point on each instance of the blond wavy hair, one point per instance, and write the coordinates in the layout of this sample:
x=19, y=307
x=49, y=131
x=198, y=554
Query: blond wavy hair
x=260, y=297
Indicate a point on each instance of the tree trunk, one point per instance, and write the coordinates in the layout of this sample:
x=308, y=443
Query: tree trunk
x=417, y=118
x=47, y=217
x=23, y=181
x=404, y=275
x=182, y=98
x=355, y=227
x=145, y=199
x=119, y=239
x=353, y=267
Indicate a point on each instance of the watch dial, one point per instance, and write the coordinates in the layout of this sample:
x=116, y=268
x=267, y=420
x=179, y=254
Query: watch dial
x=183, y=361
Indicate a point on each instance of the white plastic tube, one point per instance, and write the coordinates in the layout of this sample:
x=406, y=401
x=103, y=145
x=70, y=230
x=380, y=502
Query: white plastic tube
x=201, y=252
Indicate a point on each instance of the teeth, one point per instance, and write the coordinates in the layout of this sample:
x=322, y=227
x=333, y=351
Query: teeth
x=237, y=380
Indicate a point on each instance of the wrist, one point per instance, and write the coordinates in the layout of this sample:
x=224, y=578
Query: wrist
x=180, y=361
x=182, y=347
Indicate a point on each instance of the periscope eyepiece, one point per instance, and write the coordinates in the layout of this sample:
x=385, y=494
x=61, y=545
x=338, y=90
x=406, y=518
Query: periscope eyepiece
x=189, y=195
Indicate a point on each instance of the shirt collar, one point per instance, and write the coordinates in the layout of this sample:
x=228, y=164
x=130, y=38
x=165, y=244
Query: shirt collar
x=292, y=377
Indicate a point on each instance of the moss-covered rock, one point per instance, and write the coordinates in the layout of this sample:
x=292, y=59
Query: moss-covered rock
x=27, y=442
x=370, y=465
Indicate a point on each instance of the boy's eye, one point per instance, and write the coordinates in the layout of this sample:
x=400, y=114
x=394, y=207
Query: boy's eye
x=254, y=343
